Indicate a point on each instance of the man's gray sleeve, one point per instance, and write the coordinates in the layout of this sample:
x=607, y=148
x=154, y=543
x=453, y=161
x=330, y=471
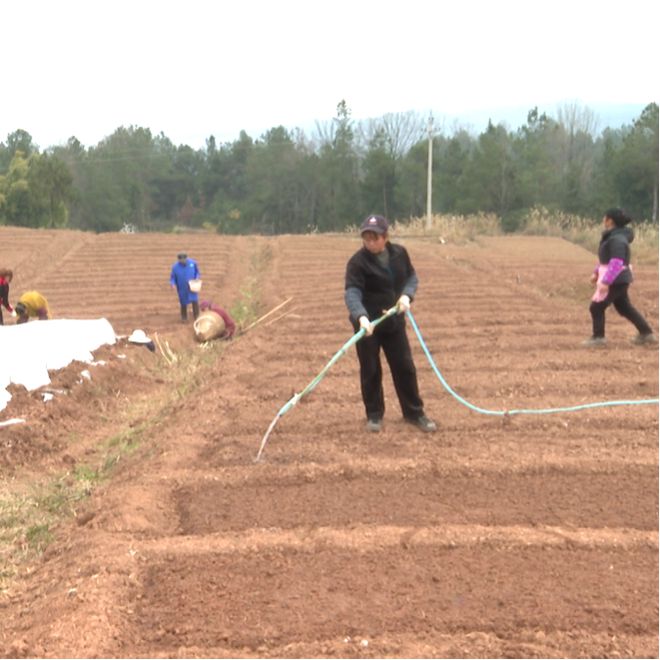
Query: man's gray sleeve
x=353, y=300
x=410, y=287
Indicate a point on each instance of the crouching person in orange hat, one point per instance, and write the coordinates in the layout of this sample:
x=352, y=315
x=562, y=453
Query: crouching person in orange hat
x=32, y=304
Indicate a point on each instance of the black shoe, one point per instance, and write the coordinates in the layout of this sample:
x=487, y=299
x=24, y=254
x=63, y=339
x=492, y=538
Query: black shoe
x=595, y=342
x=374, y=425
x=424, y=424
x=648, y=338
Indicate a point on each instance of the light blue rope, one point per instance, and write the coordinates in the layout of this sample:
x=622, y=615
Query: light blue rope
x=342, y=351
x=315, y=381
x=522, y=411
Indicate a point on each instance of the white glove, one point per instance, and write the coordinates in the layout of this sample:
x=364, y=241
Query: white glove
x=367, y=326
x=13, y=313
x=403, y=304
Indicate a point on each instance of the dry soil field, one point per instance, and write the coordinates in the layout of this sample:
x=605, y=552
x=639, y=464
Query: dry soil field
x=534, y=536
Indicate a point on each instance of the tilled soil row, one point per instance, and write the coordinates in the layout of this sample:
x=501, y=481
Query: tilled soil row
x=330, y=593
x=559, y=499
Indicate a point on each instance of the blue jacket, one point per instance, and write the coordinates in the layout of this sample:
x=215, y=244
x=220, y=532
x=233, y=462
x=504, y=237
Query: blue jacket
x=180, y=276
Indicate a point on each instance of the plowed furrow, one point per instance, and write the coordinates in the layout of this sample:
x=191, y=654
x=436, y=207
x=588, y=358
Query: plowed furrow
x=237, y=599
x=560, y=498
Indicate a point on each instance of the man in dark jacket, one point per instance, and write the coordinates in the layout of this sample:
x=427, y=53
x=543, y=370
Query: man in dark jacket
x=379, y=276
x=612, y=277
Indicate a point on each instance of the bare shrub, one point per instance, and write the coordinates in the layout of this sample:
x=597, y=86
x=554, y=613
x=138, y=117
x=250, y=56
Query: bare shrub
x=450, y=228
x=538, y=221
x=587, y=231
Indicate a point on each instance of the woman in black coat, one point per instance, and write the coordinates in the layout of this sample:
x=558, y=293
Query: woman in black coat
x=612, y=278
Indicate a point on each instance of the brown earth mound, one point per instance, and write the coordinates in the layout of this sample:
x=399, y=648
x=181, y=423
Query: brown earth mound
x=524, y=536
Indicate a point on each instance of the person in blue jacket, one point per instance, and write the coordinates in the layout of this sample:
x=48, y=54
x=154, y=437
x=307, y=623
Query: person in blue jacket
x=184, y=270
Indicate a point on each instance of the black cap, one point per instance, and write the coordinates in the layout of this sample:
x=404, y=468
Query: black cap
x=375, y=223
x=182, y=255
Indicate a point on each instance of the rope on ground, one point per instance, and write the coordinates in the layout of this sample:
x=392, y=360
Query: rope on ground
x=521, y=411
x=296, y=397
x=500, y=413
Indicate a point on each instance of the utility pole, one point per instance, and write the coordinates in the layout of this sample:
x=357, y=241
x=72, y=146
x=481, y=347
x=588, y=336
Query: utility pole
x=429, y=176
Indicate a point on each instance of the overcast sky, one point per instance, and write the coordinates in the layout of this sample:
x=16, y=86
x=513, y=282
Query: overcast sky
x=195, y=68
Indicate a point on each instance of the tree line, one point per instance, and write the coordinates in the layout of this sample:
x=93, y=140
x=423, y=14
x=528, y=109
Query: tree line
x=287, y=182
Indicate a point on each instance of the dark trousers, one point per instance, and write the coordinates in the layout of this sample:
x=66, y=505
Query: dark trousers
x=4, y=299
x=184, y=310
x=617, y=296
x=391, y=337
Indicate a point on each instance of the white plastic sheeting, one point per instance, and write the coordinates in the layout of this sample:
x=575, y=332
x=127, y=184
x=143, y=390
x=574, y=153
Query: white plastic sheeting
x=29, y=351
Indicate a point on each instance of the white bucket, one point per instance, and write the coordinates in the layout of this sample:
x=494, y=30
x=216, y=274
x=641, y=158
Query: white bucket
x=195, y=285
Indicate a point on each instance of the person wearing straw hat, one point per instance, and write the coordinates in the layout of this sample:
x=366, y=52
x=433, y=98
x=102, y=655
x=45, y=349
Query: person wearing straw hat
x=140, y=337
x=183, y=272
x=230, y=325
x=380, y=276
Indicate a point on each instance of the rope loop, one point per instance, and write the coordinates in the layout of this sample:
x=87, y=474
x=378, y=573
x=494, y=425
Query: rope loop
x=509, y=413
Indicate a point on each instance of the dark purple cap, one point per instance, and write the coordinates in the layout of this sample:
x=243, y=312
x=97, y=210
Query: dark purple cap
x=375, y=223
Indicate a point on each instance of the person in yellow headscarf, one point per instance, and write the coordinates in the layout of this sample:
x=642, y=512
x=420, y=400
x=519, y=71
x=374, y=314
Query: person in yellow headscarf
x=32, y=303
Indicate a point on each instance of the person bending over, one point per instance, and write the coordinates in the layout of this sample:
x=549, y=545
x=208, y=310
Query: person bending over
x=32, y=305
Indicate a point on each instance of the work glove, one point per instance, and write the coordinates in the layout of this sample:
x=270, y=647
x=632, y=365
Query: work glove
x=366, y=325
x=403, y=304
